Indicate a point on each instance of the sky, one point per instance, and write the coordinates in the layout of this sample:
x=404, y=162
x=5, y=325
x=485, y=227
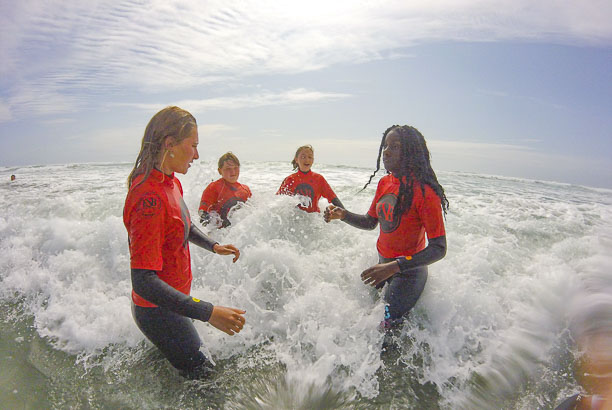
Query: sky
x=516, y=88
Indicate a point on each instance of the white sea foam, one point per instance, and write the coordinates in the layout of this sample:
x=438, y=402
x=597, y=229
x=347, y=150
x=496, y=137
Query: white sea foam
x=495, y=309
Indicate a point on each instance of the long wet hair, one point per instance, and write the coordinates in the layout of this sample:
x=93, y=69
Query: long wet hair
x=415, y=168
x=300, y=149
x=169, y=122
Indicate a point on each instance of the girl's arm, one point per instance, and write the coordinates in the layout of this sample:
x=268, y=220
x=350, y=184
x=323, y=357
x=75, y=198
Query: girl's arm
x=198, y=237
x=148, y=285
x=377, y=274
x=358, y=221
x=435, y=250
x=337, y=202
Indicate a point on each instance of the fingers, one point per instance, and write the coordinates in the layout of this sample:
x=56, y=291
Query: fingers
x=228, y=249
x=369, y=278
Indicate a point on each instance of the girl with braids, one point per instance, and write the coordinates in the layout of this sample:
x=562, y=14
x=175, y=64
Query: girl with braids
x=159, y=230
x=409, y=205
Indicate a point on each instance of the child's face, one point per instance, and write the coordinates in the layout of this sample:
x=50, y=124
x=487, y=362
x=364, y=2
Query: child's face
x=392, y=153
x=305, y=159
x=230, y=171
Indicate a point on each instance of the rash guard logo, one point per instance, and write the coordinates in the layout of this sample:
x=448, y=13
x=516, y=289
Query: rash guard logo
x=384, y=211
x=149, y=204
x=305, y=190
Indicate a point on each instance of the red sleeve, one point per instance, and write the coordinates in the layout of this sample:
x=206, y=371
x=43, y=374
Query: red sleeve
x=146, y=221
x=372, y=210
x=248, y=191
x=209, y=197
x=285, y=188
x=430, y=213
x=326, y=191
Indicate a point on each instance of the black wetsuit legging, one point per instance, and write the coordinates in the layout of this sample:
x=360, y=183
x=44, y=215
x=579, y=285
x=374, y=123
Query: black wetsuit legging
x=174, y=335
x=404, y=289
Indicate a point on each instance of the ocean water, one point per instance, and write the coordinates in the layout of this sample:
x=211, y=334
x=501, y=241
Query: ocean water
x=495, y=327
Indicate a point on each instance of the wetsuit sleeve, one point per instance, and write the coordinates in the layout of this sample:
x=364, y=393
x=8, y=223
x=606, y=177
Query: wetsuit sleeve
x=204, y=217
x=435, y=250
x=327, y=190
x=337, y=202
x=148, y=285
x=197, y=237
x=360, y=221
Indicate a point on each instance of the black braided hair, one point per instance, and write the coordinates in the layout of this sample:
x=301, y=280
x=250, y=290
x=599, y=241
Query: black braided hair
x=415, y=167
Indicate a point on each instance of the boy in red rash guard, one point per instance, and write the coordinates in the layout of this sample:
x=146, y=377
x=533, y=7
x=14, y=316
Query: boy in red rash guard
x=306, y=182
x=409, y=204
x=223, y=194
x=159, y=231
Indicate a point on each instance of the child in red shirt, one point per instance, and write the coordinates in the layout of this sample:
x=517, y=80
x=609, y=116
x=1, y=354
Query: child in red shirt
x=225, y=193
x=159, y=231
x=306, y=182
x=409, y=204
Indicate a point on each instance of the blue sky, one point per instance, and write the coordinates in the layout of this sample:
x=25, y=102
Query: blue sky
x=517, y=88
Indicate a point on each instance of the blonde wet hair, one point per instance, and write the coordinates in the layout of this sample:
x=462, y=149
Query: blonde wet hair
x=170, y=122
x=228, y=156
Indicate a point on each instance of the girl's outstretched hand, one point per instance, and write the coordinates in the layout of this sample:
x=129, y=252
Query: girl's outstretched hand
x=377, y=274
x=333, y=212
x=226, y=319
x=227, y=250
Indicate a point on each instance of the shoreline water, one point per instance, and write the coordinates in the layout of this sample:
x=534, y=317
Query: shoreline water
x=519, y=250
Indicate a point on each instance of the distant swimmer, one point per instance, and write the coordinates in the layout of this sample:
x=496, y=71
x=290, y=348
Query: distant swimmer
x=225, y=193
x=307, y=183
x=13, y=177
x=159, y=231
x=409, y=204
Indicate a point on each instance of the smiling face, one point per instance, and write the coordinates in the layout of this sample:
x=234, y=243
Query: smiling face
x=230, y=171
x=183, y=153
x=305, y=159
x=392, y=153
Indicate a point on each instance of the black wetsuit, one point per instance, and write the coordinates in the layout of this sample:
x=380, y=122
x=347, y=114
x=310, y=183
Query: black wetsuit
x=170, y=325
x=405, y=287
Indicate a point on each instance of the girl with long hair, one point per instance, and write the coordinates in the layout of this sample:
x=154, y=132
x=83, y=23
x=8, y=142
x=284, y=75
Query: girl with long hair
x=409, y=205
x=159, y=231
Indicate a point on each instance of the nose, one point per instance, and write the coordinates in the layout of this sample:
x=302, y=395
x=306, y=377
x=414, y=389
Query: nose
x=196, y=155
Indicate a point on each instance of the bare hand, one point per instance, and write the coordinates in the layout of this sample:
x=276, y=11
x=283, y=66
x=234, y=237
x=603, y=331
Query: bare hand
x=333, y=212
x=377, y=274
x=227, y=250
x=226, y=319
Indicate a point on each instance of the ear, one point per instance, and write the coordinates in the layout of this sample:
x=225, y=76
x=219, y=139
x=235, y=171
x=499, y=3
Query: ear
x=219, y=169
x=169, y=142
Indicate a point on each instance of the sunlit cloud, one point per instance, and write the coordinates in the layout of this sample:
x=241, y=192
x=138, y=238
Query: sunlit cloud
x=295, y=96
x=73, y=48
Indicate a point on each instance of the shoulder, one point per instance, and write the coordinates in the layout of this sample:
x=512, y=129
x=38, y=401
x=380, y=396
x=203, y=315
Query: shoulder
x=386, y=180
x=177, y=183
x=146, y=200
x=215, y=184
x=318, y=176
x=430, y=194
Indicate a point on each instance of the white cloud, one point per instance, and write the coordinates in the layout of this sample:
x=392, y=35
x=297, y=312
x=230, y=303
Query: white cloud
x=81, y=47
x=266, y=98
x=5, y=111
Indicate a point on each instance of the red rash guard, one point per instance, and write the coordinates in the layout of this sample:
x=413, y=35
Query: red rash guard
x=158, y=222
x=408, y=236
x=220, y=196
x=311, y=185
